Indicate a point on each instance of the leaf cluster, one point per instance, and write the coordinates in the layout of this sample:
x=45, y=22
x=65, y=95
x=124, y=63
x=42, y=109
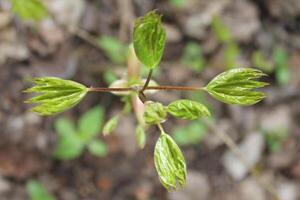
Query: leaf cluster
x=72, y=141
x=236, y=86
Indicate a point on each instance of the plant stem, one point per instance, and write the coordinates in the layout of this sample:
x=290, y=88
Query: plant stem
x=147, y=81
x=178, y=88
x=102, y=89
x=134, y=89
x=160, y=127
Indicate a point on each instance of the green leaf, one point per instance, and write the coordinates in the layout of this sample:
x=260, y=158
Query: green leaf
x=69, y=147
x=37, y=191
x=169, y=162
x=187, y=109
x=98, y=148
x=149, y=38
x=110, y=125
x=29, y=9
x=113, y=48
x=221, y=31
x=57, y=95
x=64, y=126
x=193, y=57
x=90, y=123
x=235, y=86
x=154, y=112
x=190, y=134
x=140, y=136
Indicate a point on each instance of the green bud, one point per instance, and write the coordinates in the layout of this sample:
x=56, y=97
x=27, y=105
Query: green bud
x=154, y=112
x=140, y=136
x=110, y=125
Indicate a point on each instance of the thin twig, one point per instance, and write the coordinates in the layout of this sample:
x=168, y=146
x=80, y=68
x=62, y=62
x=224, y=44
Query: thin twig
x=148, y=80
x=136, y=89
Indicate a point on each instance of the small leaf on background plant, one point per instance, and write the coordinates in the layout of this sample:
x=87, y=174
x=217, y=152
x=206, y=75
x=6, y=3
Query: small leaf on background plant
x=280, y=58
x=177, y=3
x=187, y=109
x=193, y=133
x=169, y=162
x=235, y=86
x=29, y=9
x=109, y=77
x=140, y=136
x=113, y=48
x=154, y=112
x=149, y=39
x=64, y=126
x=57, y=95
x=90, y=123
x=193, y=57
x=97, y=148
x=37, y=191
x=275, y=138
x=69, y=145
x=231, y=54
x=261, y=62
x=220, y=30
x=110, y=125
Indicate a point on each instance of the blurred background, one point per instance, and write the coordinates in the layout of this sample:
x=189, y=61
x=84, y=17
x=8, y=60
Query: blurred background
x=87, y=41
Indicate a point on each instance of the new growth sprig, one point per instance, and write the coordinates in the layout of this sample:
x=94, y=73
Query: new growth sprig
x=235, y=86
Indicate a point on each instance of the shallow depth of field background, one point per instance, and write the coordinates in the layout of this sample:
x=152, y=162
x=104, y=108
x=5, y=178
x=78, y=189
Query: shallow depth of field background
x=264, y=34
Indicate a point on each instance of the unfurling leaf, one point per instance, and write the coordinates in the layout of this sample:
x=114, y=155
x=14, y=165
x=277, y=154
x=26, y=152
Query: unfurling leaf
x=187, y=109
x=149, y=38
x=110, y=125
x=154, y=112
x=169, y=162
x=29, y=9
x=140, y=136
x=236, y=86
x=57, y=95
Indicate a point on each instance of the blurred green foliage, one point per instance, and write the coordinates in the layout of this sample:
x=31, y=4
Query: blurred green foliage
x=220, y=30
x=109, y=77
x=192, y=133
x=37, y=191
x=29, y=9
x=261, y=62
x=223, y=35
x=275, y=139
x=280, y=58
x=177, y=3
x=193, y=57
x=72, y=140
x=113, y=48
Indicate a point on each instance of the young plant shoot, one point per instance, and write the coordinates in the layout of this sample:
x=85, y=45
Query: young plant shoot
x=235, y=86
